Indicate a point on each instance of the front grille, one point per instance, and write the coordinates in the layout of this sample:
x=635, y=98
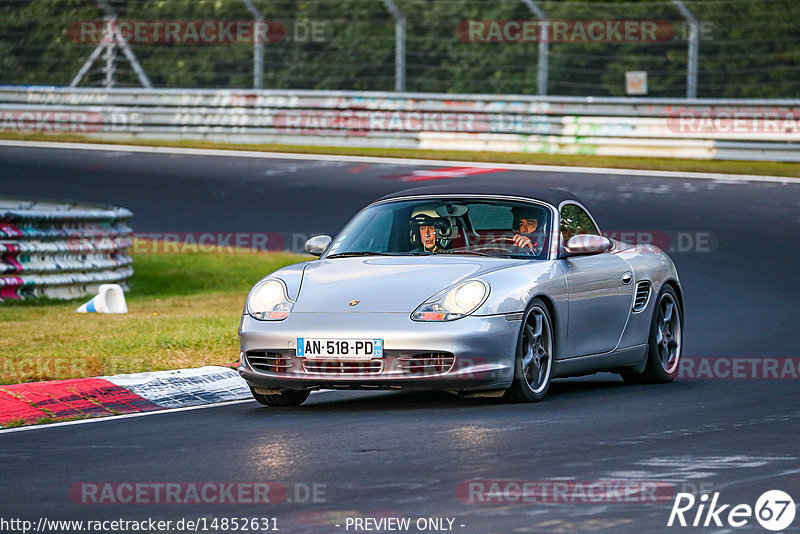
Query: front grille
x=343, y=367
x=270, y=362
x=433, y=363
x=642, y=296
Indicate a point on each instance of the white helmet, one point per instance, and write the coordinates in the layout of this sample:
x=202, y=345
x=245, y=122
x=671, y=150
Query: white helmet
x=428, y=215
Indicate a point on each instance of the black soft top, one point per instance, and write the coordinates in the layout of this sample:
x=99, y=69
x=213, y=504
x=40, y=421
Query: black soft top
x=515, y=188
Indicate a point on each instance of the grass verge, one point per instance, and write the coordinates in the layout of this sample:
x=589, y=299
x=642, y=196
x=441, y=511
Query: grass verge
x=764, y=168
x=184, y=311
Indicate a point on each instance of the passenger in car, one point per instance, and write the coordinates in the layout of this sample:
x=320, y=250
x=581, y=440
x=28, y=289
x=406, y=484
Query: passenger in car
x=431, y=232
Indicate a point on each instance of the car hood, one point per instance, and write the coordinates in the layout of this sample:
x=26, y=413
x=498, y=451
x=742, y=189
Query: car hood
x=382, y=284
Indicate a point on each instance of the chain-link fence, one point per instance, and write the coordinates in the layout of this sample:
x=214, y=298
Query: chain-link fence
x=665, y=48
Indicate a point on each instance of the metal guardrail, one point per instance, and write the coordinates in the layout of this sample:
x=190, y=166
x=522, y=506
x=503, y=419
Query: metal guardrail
x=648, y=127
x=61, y=250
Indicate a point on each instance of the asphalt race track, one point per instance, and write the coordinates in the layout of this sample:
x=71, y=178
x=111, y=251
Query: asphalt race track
x=377, y=454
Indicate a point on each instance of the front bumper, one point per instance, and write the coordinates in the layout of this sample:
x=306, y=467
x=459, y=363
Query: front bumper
x=482, y=350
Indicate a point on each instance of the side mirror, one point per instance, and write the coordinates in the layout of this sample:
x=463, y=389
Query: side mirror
x=587, y=244
x=317, y=244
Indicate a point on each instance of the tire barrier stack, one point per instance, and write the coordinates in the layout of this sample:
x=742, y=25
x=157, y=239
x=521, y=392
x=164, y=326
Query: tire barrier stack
x=646, y=127
x=61, y=249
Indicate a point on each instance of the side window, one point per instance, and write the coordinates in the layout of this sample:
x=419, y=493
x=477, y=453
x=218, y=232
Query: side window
x=574, y=221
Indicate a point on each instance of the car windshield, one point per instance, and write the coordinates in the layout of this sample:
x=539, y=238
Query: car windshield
x=470, y=226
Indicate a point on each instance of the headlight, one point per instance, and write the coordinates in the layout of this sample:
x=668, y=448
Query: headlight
x=267, y=301
x=456, y=303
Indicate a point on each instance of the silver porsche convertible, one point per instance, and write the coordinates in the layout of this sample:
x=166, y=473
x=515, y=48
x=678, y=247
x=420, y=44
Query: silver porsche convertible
x=480, y=290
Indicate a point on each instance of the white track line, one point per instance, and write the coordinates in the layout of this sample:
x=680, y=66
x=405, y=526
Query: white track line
x=399, y=161
x=106, y=418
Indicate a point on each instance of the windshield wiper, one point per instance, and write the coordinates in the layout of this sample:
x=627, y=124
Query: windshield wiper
x=472, y=252
x=354, y=254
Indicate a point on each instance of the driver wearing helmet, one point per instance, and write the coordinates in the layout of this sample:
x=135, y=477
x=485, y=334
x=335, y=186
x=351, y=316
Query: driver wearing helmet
x=430, y=232
x=526, y=222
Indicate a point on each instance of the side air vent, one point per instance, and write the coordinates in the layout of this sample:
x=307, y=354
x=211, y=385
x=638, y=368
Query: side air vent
x=642, y=296
x=433, y=363
x=271, y=362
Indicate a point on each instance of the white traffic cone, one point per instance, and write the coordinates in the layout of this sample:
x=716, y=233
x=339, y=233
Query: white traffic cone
x=111, y=299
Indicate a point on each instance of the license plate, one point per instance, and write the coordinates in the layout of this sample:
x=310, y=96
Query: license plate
x=340, y=349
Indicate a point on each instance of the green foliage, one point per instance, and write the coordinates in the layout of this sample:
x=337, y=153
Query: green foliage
x=185, y=274
x=748, y=48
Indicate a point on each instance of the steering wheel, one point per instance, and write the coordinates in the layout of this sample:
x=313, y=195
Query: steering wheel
x=503, y=242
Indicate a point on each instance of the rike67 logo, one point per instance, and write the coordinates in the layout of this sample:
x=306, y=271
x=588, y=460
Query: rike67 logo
x=774, y=510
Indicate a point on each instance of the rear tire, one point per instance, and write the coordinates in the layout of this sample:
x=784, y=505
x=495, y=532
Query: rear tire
x=665, y=344
x=533, y=364
x=289, y=397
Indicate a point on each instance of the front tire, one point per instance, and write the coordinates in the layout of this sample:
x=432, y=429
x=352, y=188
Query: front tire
x=533, y=364
x=665, y=343
x=284, y=398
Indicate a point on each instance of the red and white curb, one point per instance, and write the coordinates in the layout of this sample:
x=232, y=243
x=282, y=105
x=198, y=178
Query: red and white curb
x=119, y=394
